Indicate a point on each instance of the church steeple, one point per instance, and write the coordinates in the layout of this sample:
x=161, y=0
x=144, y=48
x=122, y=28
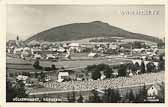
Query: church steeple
x=17, y=38
x=17, y=41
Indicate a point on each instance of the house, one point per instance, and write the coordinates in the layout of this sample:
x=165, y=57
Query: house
x=26, y=52
x=11, y=43
x=61, y=49
x=146, y=62
x=115, y=74
x=113, y=46
x=50, y=56
x=34, y=43
x=36, y=50
x=47, y=78
x=18, y=51
x=102, y=76
x=156, y=65
x=68, y=55
x=92, y=54
x=62, y=76
x=74, y=45
x=130, y=74
x=37, y=56
x=22, y=77
x=137, y=61
x=136, y=50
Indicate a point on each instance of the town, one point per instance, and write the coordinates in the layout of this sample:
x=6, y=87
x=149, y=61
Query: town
x=103, y=70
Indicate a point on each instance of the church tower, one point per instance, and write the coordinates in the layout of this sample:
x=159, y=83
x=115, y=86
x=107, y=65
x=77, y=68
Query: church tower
x=17, y=41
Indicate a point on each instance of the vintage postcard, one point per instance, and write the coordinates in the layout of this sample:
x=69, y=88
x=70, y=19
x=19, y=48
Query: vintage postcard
x=85, y=53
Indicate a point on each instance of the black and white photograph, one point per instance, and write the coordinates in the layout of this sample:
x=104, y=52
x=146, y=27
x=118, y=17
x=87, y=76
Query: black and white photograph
x=85, y=53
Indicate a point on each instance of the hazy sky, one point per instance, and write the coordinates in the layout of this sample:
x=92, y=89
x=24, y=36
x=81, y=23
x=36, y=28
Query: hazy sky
x=26, y=20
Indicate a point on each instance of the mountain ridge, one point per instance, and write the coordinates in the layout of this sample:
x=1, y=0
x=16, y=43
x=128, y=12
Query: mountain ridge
x=77, y=31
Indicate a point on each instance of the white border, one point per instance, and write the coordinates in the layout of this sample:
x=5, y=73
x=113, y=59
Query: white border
x=81, y=2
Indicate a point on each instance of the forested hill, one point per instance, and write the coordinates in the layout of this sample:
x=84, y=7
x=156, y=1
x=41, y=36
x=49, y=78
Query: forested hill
x=77, y=31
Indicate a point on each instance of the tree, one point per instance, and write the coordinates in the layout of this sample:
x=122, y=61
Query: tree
x=96, y=70
x=130, y=66
x=96, y=75
x=112, y=96
x=136, y=66
x=80, y=100
x=18, y=91
x=131, y=96
x=108, y=72
x=90, y=68
x=71, y=97
x=107, y=95
x=42, y=77
x=149, y=67
x=36, y=65
x=142, y=94
x=101, y=67
x=47, y=68
x=117, y=95
x=53, y=67
x=122, y=70
x=162, y=91
x=10, y=92
x=137, y=44
x=161, y=63
x=161, y=44
x=36, y=75
x=142, y=67
x=95, y=98
x=17, y=38
x=68, y=97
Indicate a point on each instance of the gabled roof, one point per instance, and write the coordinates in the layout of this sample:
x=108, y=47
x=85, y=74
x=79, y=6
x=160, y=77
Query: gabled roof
x=63, y=74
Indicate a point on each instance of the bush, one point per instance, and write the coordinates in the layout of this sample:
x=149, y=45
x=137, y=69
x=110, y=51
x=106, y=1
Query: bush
x=36, y=65
x=96, y=75
x=122, y=70
x=47, y=69
x=53, y=67
x=96, y=70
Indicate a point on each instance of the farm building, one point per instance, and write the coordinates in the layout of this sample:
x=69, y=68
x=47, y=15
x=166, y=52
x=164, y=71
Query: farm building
x=62, y=76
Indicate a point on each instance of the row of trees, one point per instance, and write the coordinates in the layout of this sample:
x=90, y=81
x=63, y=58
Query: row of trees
x=150, y=67
x=114, y=96
x=96, y=71
x=109, y=95
x=37, y=65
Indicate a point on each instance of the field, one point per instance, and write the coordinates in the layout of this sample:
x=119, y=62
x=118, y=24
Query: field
x=84, y=87
x=75, y=62
x=123, y=84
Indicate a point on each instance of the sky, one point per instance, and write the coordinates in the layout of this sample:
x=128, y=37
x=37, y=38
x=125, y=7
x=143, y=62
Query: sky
x=27, y=20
